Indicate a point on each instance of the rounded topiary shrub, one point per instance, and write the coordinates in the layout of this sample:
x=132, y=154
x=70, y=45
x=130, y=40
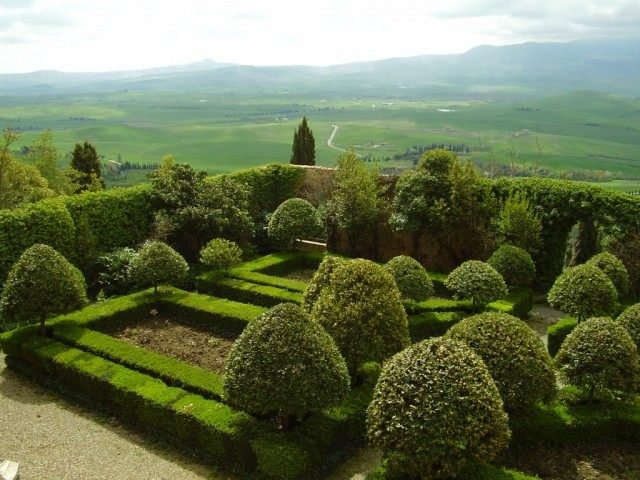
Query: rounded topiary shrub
x=630, y=320
x=362, y=310
x=599, y=355
x=41, y=283
x=321, y=279
x=514, y=354
x=435, y=410
x=294, y=218
x=478, y=281
x=412, y=279
x=157, y=263
x=221, y=253
x=583, y=291
x=113, y=267
x=514, y=264
x=614, y=269
x=284, y=364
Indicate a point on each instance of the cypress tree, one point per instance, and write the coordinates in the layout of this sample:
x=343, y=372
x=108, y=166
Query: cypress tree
x=86, y=162
x=303, y=150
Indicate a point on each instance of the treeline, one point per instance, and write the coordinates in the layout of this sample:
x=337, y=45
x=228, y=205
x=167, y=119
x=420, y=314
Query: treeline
x=493, y=170
x=415, y=152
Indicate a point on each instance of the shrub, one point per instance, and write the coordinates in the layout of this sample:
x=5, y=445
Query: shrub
x=321, y=279
x=221, y=253
x=630, y=320
x=435, y=410
x=284, y=363
x=518, y=224
x=614, y=269
x=626, y=246
x=42, y=282
x=478, y=281
x=583, y=291
x=113, y=271
x=412, y=279
x=362, y=310
x=157, y=263
x=599, y=355
x=514, y=264
x=294, y=218
x=514, y=354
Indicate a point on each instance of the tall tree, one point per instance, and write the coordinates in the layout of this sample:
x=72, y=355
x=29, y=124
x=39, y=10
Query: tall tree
x=303, y=150
x=46, y=157
x=86, y=162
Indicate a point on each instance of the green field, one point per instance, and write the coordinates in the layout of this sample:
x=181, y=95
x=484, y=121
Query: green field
x=219, y=133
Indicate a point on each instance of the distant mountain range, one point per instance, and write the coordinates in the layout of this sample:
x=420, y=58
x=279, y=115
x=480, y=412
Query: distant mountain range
x=609, y=65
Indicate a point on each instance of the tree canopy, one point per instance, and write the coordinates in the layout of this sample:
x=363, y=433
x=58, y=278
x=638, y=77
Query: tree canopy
x=303, y=149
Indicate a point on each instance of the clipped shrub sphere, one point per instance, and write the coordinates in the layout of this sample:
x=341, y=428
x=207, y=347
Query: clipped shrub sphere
x=294, y=218
x=614, y=269
x=478, y=281
x=157, y=263
x=321, y=279
x=514, y=354
x=583, y=291
x=598, y=355
x=412, y=279
x=284, y=364
x=630, y=320
x=362, y=310
x=435, y=410
x=41, y=283
x=514, y=264
x=221, y=253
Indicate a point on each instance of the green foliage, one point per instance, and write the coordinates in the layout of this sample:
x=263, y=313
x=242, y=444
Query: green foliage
x=157, y=263
x=515, y=356
x=294, y=218
x=557, y=332
x=362, y=310
x=614, y=269
x=514, y=264
x=221, y=253
x=412, y=279
x=85, y=161
x=432, y=324
x=599, y=355
x=478, y=281
x=583, y=291
x=630, y=320
x=41, y=283
x=321, y=279
x=356, y=201
x=625, y=245
x=285, y=364
x=303, y=149
x=113, y=267
x=436, y=410
x=519, y=225
x=46, y=158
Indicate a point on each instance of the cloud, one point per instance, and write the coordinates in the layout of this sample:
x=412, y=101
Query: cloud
x=17, y=3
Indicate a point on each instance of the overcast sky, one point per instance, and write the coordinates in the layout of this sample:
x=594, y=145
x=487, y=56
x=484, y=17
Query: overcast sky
x=101, y=35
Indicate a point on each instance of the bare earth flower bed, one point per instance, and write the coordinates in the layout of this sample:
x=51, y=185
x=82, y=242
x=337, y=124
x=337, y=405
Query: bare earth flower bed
x=193, y=345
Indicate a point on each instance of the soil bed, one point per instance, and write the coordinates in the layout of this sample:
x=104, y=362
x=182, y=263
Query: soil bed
x=184, y=342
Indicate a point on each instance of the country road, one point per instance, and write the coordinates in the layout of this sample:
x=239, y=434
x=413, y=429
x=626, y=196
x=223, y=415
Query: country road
x=330, y=140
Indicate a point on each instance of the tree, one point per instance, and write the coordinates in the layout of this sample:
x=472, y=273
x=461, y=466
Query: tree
x=514, y=264
x=221, y=253
x=303, y=150
x=157, y=263
x=614, y=269
x=46, y=157
x=85, y=161
x=478, y=281
x=321, y=279
x=294, y=218
x=41, y=283
x=518, y=224
x=412, y=279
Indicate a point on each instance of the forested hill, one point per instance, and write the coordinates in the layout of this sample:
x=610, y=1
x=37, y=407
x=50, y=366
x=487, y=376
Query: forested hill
x=611, y=65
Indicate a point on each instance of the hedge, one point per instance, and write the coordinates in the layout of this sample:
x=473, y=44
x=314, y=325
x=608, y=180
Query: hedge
x=557, y=332
x=437, y=304
x=479, y=472
x=242, y=291
x=432, y=324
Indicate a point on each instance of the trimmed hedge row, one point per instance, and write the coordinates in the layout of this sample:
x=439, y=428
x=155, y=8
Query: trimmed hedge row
x=436, y=304
x=243, y=291
x=432, y=324
x=557, y=332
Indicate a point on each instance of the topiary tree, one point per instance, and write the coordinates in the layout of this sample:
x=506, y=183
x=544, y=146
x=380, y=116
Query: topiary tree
x=113, y=271
x=599, y=355
x=321, y=279
x=157, y=263
x=614, y=269
x=514, y=354
x=435, y=410
x=630, y=320
x=41, y=283
x=478, y=281
x=294, y=218
x=412, y=279
x=284, y=364
x=583, y=291
x=519, y=225
x=514, y=264
x=221, y=253
x=362, y=310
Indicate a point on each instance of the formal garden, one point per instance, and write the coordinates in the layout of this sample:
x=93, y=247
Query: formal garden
x=192, y=311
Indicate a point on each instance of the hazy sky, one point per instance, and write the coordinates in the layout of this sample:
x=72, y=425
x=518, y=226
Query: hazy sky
x=99, y=35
